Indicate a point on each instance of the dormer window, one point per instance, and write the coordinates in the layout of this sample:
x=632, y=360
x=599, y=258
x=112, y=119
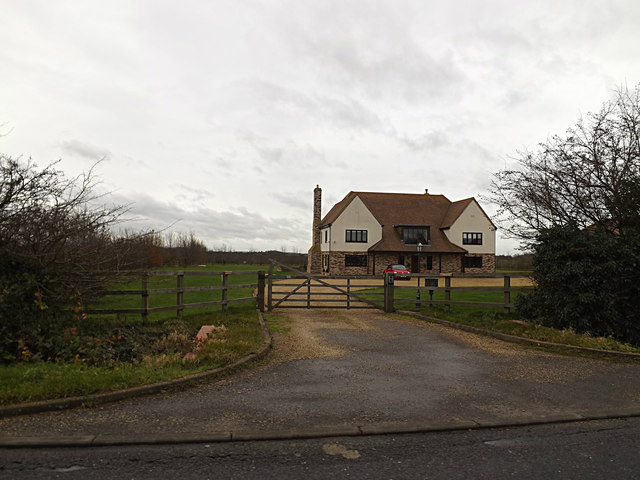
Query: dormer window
x=414, y=234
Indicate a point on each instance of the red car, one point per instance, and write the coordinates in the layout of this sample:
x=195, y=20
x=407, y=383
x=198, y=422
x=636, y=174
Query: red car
x=400, y=272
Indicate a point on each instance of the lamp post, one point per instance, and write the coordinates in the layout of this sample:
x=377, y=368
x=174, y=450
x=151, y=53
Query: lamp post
x=419, y=248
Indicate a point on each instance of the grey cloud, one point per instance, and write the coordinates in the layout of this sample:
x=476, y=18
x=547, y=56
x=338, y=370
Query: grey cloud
x=375, y=54
x=282, y=102
x=191, y=194
x=289, y=153
x=430, y=141
x=299, y=199
x=241, y=228
x=85, y=150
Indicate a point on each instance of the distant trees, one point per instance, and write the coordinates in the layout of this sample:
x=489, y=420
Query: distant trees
x=575, y=201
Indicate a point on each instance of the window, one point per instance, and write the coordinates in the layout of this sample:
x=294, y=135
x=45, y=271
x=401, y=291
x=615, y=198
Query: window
x=472, y=262
x=415, y=235
x=355, y=260
x=326, y=236
x=470, y=238
x=359, y=236
x=429, y=262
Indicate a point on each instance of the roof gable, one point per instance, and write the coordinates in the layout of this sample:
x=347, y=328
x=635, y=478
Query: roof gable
x=457, y=209
x=391, y=209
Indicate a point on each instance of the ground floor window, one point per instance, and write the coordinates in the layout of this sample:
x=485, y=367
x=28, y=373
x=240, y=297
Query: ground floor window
x=472, y=262
x=355, y=260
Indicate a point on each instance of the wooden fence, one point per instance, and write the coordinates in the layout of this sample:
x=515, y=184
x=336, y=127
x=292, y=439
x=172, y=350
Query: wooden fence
x=179, y=306
x=428, y=284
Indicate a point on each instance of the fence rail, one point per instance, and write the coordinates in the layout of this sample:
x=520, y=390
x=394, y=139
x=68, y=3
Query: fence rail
x=145, y=293
x=431, y=284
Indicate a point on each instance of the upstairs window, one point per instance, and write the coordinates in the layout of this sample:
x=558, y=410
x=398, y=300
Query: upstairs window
x=358, y=236
x=415, y=235
x=471, y=238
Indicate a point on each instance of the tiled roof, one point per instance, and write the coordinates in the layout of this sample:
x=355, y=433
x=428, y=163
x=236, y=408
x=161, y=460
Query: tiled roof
x=391, y=209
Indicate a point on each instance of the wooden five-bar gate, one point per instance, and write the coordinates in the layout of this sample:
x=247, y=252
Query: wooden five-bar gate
x=295, y=289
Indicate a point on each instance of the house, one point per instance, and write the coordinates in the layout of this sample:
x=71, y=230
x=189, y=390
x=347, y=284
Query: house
x=366, y=231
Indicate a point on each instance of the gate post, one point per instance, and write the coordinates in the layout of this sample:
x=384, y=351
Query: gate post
x=507, y=293
x=270, y=289
x=145, y=298
x=260, y=293
x=225, y=286
x=447, y=292
x=388, y=293
x=180, y=294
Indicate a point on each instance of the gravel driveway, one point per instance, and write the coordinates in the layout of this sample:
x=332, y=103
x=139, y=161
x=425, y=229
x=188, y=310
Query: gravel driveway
x=366, y=368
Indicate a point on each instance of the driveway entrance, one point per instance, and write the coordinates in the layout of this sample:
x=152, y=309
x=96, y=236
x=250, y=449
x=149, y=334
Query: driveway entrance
x=365, y=369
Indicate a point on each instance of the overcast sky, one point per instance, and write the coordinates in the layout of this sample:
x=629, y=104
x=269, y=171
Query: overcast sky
x=220, y=117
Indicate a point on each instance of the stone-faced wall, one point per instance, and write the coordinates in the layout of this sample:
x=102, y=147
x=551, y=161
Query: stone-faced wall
x=376, y=263
x=448, y=262
x=314, y=260
x=382, y=260
x=451, y=263
x=337, y=264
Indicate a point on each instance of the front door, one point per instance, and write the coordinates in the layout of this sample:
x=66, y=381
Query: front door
x=414, y=264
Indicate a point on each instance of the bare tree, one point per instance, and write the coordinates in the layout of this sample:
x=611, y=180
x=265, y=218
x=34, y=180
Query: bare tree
x=589, y=177
x=55, y=228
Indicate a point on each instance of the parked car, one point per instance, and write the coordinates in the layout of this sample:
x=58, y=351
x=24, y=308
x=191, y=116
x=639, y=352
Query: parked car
x=400, y=272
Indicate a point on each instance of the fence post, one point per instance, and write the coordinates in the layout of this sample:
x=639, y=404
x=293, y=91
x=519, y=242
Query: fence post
x=225, y=284
x=308, y=293
x=388, y=293
x=348, y=293
x=180, y=294
x=507, y=294
x=260, y=294
x=270, y=289
x=447, y=292
x=145, y=297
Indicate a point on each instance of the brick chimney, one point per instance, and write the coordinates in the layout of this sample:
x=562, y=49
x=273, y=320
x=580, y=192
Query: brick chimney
x=314, y=258
x=317, y=214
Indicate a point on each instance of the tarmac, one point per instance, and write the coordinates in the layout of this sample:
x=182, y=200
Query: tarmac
x=347, y=373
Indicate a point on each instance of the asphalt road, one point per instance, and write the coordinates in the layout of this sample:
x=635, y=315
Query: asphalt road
x=585, y=450
x=364, y=370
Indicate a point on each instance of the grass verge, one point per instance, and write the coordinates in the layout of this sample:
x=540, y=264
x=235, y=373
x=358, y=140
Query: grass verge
x=494, y=318
x=241, y=335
